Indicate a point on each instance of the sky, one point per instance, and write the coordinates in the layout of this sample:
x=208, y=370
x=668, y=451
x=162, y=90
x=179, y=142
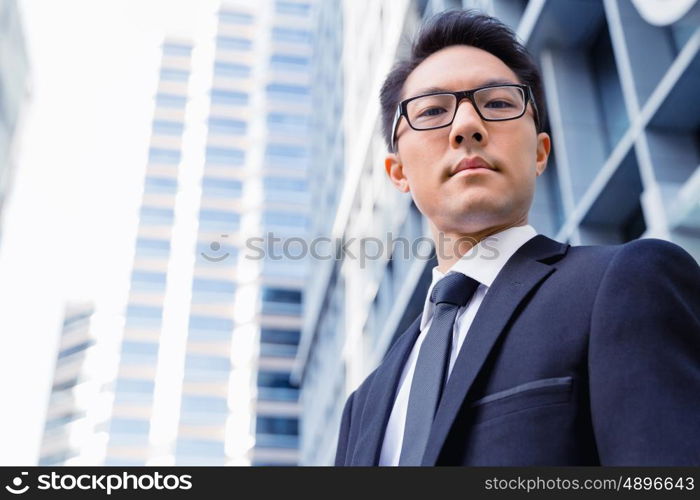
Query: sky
x=69, y=224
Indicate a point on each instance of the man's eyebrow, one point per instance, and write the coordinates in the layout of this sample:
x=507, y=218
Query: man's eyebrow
x=494, y=81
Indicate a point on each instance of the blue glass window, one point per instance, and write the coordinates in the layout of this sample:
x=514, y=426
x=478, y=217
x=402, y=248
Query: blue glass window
x=75, y=349
x=276, y=386
x=129, y=426
x=174, y=75
x=284, y=219
x=201, y=367
x=200, y=447
x=289, y=62
x=177, y=50
x=285, y=184
x=280, y=34
x=170, y=100
x=233, y=17
x=211, y=291
x=292, y=8
x=208, y=404
x=225, y=156
x=228, y=97
x=145, y=348
x=276, y=301
x=233, y=43
x=219, y=220
x=231, y=126
x=161, y=185
x=227, y=69
x=221, y=188
x=148, y=247
x=167, y=127
x=156, y=215
x=285, y=91
x=148, y=281
x=133, y=385
x=210, y=328
x=277, y=425
x=143, y=316
x=162, y=155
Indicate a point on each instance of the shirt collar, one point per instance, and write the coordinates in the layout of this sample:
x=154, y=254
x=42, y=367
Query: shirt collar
x=484, y=261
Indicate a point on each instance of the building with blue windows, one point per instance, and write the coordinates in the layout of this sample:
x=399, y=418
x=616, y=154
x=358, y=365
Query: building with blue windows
x=621, y=79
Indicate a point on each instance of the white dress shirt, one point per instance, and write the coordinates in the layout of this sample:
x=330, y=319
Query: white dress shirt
x=483, y=263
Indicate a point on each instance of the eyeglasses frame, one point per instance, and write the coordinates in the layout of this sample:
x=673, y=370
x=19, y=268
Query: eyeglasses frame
x=402, y=108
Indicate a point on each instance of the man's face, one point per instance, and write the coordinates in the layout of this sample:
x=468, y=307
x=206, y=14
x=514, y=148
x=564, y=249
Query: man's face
x=472, y=200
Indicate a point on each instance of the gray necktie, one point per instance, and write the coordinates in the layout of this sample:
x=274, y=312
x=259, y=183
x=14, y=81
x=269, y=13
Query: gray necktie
x=449, y=294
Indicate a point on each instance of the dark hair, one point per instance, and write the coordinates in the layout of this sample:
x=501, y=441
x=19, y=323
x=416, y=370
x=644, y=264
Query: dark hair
x=462, y=27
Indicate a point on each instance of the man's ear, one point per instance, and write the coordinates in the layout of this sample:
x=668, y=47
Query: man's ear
x=394, y=169
x=544, y=146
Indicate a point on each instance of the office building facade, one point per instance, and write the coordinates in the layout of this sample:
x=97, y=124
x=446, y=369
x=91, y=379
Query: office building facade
x=620, y=80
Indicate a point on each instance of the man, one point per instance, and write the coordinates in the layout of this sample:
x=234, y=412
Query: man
x=545, y=354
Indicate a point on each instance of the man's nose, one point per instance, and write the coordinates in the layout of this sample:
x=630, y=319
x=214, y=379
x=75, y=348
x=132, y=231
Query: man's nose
x=467, y=124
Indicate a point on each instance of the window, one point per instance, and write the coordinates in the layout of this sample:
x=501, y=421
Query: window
x=233, y=43
x=287, y=122
x=277, y=425
x=280, y=34
x=160, y=185
x=162, y=155
x=143, y=316
x=204, y=406
x=225, y=156
x=132, y=385
x=156, y=216
x=206, y=291
x=174, y=75
x=284, y=219
x=148, y=247
x=200, y=447
x=164, y=100
x=279, y=301
x=148, y=281
x=285, y=184
x=226, y=126
x=75, y=349
x=277, y=336
x=166, y=127
x=286, y=92
x=288, y=62
x=231, y=70
x=129, y=426
x=276, y=386
x=204, y=368
x=219, y=220
x=210, y=328
x=233, y=17
x=221, y=188
x=176, y=49
x=275, y=342
x=292, y=8
x=228, y=97
x=287, y=156
x=139, y=353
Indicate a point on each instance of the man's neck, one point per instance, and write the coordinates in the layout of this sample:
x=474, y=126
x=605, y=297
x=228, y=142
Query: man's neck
x=452, y=246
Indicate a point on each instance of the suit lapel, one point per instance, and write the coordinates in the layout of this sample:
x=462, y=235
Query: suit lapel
x=519, y=276
x=380, y=399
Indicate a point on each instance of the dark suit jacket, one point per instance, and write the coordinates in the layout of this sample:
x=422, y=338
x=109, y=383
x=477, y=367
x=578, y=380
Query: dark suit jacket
x=583, y=355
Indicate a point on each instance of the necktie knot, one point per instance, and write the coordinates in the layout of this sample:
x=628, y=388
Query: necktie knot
x=455, y=288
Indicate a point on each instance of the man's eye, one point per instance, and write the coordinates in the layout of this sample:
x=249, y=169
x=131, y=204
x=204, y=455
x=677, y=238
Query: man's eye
x=499, y=104
x=434, y=111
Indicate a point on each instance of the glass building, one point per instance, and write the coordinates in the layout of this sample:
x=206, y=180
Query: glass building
x=621, y=79
x=14, y=90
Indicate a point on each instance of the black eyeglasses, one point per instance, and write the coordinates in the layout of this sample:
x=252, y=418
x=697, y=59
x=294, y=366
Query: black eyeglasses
x=438, y=109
